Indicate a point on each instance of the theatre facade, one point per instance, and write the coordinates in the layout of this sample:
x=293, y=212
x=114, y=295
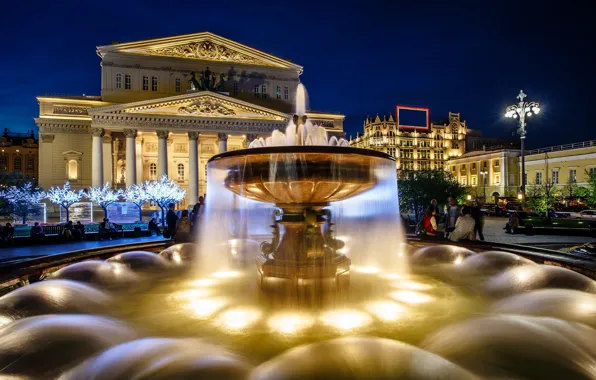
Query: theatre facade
x=167, y=106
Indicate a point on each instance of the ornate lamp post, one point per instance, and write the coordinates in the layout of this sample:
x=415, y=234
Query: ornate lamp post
x=520, y=111
x=484, y=173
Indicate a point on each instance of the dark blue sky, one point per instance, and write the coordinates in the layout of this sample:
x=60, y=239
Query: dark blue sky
x=360, y=57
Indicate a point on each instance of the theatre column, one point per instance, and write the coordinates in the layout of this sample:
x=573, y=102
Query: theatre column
x=131, y=156
x=193, y=165
x=96, y=158
x=107, y=158
x=162, y=153
x=222, y=142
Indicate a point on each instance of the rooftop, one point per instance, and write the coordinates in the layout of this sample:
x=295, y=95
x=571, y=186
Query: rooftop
x=556, y=148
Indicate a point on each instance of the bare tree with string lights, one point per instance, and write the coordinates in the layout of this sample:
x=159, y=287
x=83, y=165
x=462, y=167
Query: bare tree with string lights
x=65, y=197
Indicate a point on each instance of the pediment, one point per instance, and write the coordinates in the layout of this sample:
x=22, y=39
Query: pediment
x=203, y=46
x=204, y=104
x=72, y=153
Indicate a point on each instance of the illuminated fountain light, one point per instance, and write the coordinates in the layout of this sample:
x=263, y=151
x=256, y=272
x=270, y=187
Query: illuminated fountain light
x=346, y=319
x=386, y=311
x=411, y=297
x=226, y=274
x=203, y=283
x=412, y=285
x=4, y=320
x=206, y=307
x=176, y=258
x=238, y=318
x=290, y=323
x=192, y=294
x=458, y=260
x=391, y=276
x=364, y=269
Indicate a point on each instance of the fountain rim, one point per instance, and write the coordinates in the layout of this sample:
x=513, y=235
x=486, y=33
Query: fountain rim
x=302, y=149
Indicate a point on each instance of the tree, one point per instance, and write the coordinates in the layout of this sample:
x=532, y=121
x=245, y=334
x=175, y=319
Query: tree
x=136, y=194
x=21, y=198
x=417, y=189
x=8, y=180
x=65, y=197
x=542, y=197
x=163, y=191
x=103, y=196
x=590, y=190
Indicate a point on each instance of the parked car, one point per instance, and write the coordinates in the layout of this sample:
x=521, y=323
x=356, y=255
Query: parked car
x=585, y=214
x=530, y=221
x=512, y=207
x=491, y=209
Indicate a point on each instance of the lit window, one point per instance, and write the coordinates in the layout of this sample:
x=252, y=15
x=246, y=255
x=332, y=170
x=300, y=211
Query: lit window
x=497, y=179
x=153, y=83
x=118, y=80
x=464, y=181
x=592, y=171
x=555, y=177
x=18, y=164
x=235, y=89
x=3, y=163
x=264, y=91
x=180, y=172
x=127, y=82
x=145, y=83
x=473, y=180
x=538, y=178
x=256, y=91
x=73, y=169
x=278, y=92
x=177, y=89
x=572, y=176
x=153, y=170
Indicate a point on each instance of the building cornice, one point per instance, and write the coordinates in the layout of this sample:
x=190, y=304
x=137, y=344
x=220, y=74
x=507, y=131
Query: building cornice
x=63, y=125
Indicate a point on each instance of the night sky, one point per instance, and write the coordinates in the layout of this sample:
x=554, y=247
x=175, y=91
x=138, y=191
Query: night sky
x=360, y=58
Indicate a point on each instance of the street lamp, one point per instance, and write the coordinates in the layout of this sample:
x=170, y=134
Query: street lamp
x=520, y=111
x=484, y=173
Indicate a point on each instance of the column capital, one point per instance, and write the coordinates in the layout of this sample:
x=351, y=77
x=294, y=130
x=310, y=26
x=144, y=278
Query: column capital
x=222, y=136
x=96, y=132
x=162, y=134
x=47, y=138
x=130, y=132
x=194, y=135
x=107, y=138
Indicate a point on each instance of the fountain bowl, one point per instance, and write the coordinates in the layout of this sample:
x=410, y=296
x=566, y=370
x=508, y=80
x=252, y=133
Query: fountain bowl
x=299, y=175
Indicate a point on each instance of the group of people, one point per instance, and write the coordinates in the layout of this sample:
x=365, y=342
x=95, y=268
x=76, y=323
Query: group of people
x=460, y=222
x=181, y=229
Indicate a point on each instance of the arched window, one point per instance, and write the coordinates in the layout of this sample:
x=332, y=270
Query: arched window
x=73, y=169
x=127, y=82
x=178, y=83
x=153, y=170
x=30, y=163
x=180, y=172
x=3, y=163
x=18, y=164
x=118, y=80
x=145, y=83
x=153, y=83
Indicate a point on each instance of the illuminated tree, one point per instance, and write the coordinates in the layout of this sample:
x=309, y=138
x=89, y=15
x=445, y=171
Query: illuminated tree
x=103, y=196
x=21, y=198
x=138, y=195
x=65, y=197
x=164, y=191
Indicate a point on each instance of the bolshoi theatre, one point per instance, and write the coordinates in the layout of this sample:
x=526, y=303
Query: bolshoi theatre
x=166, y=106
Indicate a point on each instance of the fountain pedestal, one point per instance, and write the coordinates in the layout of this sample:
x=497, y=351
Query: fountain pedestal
x=301, y=253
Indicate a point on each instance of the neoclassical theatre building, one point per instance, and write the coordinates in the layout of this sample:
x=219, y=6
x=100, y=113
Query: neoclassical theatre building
x=167, y=106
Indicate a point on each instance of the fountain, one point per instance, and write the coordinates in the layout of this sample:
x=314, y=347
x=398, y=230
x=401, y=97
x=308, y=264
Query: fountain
x=322, y=224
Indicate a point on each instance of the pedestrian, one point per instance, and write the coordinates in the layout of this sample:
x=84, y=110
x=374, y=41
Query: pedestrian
x=81, y=228
x=194, y=216
x=452, y=213
x=435, y=205
x=429, y=221
x=183, y=228
x=171, y=219
x=68, y=231
x=153, y=227
x=478, y=216
x=464, y=227
x=8, y=233
x=513, y=224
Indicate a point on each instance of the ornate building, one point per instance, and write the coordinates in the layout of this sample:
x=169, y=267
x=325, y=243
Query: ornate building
x=19, y=153
x=167, y=106
x=414, y=148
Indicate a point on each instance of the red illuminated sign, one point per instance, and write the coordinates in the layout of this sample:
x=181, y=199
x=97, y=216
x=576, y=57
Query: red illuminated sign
x=408, y=108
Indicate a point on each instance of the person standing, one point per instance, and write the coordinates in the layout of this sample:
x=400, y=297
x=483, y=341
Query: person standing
x=478, y=216
x=171, y=219
x=183, y=228
x=452, y=213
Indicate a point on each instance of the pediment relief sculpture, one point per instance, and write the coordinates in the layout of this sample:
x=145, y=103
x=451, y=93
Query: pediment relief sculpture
x=206, y=108
x=205, y=50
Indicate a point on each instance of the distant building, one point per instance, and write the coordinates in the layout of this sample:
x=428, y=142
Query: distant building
x=414, y=148
x=19, y=153
x=476, y=141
